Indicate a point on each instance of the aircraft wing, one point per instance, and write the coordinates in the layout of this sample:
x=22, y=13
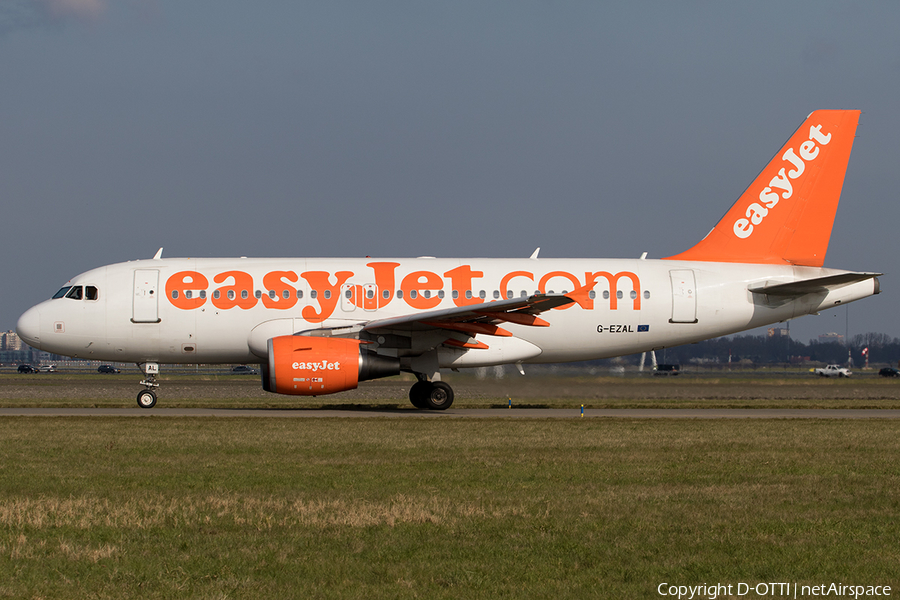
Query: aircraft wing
x=483, y=317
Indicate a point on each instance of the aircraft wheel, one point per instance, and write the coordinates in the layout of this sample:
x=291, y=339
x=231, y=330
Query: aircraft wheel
x=418, y=393
x=440, y=396
x=146, y=399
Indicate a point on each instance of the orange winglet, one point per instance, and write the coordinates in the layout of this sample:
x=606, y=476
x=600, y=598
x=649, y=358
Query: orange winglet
x=517, y=317
x=581, y=295
x=471, y=345
x=786, y=215
x=470, y=328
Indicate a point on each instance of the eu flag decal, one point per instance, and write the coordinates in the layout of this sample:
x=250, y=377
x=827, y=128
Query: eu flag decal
x=643, y=328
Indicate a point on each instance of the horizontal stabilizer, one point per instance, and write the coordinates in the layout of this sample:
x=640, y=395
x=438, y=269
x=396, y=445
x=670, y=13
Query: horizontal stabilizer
x=817, y=285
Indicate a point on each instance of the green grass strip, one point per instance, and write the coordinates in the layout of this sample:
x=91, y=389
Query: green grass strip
x=396, y=508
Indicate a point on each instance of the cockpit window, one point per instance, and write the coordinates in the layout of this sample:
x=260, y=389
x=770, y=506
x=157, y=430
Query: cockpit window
x=77, y=292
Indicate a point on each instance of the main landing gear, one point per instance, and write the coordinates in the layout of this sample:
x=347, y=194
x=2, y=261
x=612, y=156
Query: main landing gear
x=434, y=395
x=146, y=398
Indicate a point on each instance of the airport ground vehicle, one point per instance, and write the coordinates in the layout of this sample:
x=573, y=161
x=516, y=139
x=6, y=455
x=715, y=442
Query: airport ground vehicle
x=833, y=371
x=667, y=370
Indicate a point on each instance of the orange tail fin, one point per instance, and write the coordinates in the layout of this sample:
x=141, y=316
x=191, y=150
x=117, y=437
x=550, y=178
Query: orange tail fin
x=786, y=215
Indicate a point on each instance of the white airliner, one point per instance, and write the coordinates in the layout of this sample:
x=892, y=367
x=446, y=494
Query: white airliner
x=319, y=326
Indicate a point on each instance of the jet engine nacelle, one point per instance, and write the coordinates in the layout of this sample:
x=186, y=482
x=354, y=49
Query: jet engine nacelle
x=312, y=366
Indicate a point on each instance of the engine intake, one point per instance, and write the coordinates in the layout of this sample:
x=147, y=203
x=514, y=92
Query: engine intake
x=312, y=366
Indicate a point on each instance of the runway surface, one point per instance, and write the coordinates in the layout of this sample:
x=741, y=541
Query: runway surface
x=471, y=413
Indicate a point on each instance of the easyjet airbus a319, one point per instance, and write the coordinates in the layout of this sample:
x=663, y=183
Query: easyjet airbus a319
x=320, y=326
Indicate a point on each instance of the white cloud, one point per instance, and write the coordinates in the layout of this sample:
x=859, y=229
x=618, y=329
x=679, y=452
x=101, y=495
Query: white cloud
x=80, y=9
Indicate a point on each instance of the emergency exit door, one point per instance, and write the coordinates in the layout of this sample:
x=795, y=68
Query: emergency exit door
x=145, y=307
x=684, y=296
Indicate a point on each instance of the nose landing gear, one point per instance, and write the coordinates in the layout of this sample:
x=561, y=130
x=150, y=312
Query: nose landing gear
x=146, y=398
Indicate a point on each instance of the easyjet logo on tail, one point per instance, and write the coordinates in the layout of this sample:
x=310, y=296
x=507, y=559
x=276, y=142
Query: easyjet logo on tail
x=781, y=186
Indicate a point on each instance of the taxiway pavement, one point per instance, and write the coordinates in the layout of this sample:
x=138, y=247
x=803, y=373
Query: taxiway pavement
x=472, y=413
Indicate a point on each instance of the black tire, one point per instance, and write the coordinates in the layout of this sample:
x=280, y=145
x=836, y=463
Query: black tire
x=440, y=396
x=146, y=399
x=418, y=393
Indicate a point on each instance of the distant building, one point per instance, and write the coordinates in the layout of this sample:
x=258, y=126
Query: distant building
x=11, y=342
x=827, y=338
x=779, y=332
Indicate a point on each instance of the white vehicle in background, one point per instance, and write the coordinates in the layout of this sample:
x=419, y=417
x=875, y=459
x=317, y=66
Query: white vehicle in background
x=833, y=371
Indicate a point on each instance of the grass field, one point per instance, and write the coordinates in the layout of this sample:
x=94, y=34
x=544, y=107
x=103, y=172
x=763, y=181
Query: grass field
x=444, y=508
x=423, y=508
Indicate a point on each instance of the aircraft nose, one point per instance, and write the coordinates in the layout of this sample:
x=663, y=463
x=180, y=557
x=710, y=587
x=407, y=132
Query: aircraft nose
x=29, y=327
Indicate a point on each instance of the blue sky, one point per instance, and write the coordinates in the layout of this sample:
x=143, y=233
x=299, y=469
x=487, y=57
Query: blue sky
x=405, y=128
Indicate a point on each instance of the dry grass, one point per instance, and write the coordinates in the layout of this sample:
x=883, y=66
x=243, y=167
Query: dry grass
x=243, y=511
